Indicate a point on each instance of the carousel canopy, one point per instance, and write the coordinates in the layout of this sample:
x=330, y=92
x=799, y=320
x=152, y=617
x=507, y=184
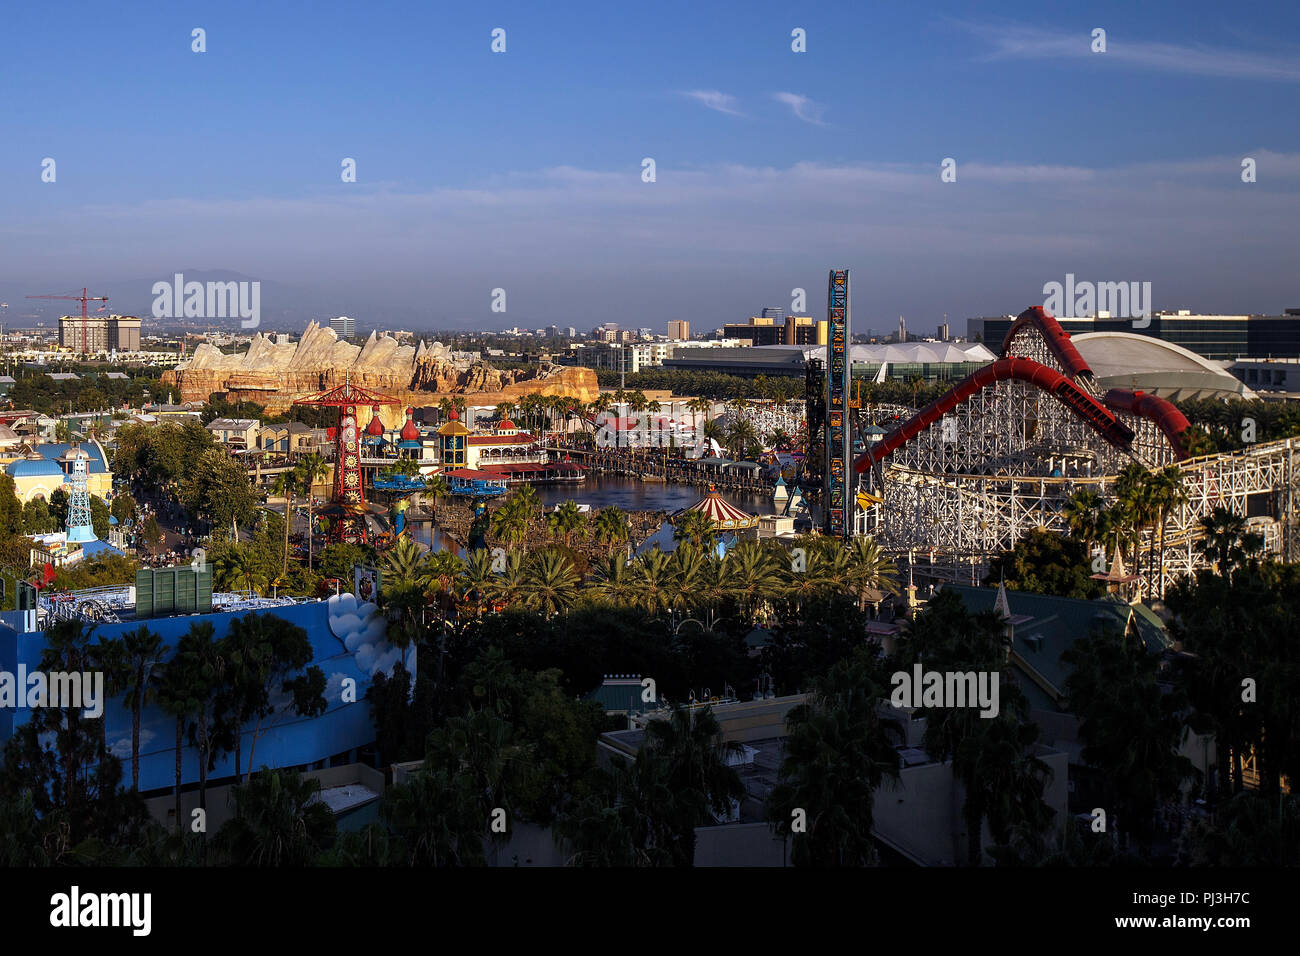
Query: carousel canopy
x=722, y=514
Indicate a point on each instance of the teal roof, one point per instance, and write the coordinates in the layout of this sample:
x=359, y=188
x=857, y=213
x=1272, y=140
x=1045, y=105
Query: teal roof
x=621, y=695
x=33, y=468
x=1044, y=627
x=94, y=466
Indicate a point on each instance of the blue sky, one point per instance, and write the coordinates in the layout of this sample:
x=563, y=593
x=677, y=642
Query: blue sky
x=522, y=170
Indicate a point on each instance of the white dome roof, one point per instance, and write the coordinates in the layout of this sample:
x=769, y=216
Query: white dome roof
x=1129, y=360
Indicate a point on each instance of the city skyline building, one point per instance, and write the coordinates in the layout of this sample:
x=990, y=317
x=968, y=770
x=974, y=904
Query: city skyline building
x=1225, y=337
x=96, y=333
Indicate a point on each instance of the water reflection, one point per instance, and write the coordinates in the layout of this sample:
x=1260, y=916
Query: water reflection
x=625, y=493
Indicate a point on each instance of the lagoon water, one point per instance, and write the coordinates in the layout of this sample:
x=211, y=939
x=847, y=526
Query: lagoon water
x=625, y=493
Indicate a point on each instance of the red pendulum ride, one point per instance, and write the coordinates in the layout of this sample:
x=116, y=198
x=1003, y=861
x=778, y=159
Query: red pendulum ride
x=348, y=508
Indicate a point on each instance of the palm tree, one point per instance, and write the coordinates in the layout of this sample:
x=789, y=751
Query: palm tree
x=567, y=520
x=1130, y=726
x=436, y=485
x=695, y=527
x=527, y=500
x=740, y=437
x=177, y=696
x=144, y=650
x=915, y=382
x=656, y=580
x=435, y=814
x=1226, y=541
x=695, y=406
x=511, y=584
x=285, y=486
x=1004, y=781
x=478, y=580
x=611, y=527
x=311, y=470
x=551, y=584
x=278, y=821
x=510, y=523
x=752, y=577
x=713, y=431
x=442, y=569
x=240, y=570
x=1167, y=493
x=603, y=827
x=690, y=567
x=838, y=753
x=613, y=579
x=1199, y=442
x=818, y=575
x=699, y=776
x=403, y=564
x=189, y=689
x=870, y=570
x=1133, y=487
x=1085, y=514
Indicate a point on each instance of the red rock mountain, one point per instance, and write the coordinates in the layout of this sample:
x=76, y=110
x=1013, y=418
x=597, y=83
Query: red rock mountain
x=275, y=375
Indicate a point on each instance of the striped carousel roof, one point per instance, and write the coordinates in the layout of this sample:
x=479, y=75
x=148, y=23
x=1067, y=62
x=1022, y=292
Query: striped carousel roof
x=722, y=514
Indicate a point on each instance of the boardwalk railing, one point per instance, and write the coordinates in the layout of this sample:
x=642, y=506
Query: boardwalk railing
x=655, y=465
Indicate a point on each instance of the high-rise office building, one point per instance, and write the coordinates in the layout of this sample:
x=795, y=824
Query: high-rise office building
x=767, y=330
x=679, y=330
x=100, y=333
x=345, y=327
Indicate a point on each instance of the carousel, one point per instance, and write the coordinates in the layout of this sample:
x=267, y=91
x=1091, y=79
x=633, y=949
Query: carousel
x=725, y=516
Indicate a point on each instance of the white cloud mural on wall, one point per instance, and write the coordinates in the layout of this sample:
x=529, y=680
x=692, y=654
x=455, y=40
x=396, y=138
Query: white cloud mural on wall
x=363, y=630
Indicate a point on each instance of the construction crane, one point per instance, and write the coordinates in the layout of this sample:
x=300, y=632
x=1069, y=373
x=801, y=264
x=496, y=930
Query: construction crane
x=83, y=299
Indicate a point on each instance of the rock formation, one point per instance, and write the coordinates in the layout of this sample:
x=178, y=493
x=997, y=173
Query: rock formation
x=275, y=375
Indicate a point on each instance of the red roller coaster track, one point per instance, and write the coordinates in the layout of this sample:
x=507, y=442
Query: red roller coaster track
x=1079, y=402
x=1166, y=416
x=1056, y=338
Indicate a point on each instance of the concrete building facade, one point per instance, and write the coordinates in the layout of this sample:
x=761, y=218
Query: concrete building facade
x=110, y=333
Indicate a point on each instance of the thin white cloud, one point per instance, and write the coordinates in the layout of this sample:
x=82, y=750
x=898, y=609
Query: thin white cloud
x=1020, y=41
x=715, y=100
x=1004, y=173
x=802, y=106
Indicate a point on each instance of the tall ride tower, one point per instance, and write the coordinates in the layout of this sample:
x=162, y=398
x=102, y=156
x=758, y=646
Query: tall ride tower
x=348, y=508
x=81, y=529
x=837, y=505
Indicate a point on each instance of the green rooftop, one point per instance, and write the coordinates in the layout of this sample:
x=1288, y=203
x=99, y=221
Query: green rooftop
x=1044, y=627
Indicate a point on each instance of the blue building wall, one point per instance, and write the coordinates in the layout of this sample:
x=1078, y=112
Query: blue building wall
x=290, y=741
